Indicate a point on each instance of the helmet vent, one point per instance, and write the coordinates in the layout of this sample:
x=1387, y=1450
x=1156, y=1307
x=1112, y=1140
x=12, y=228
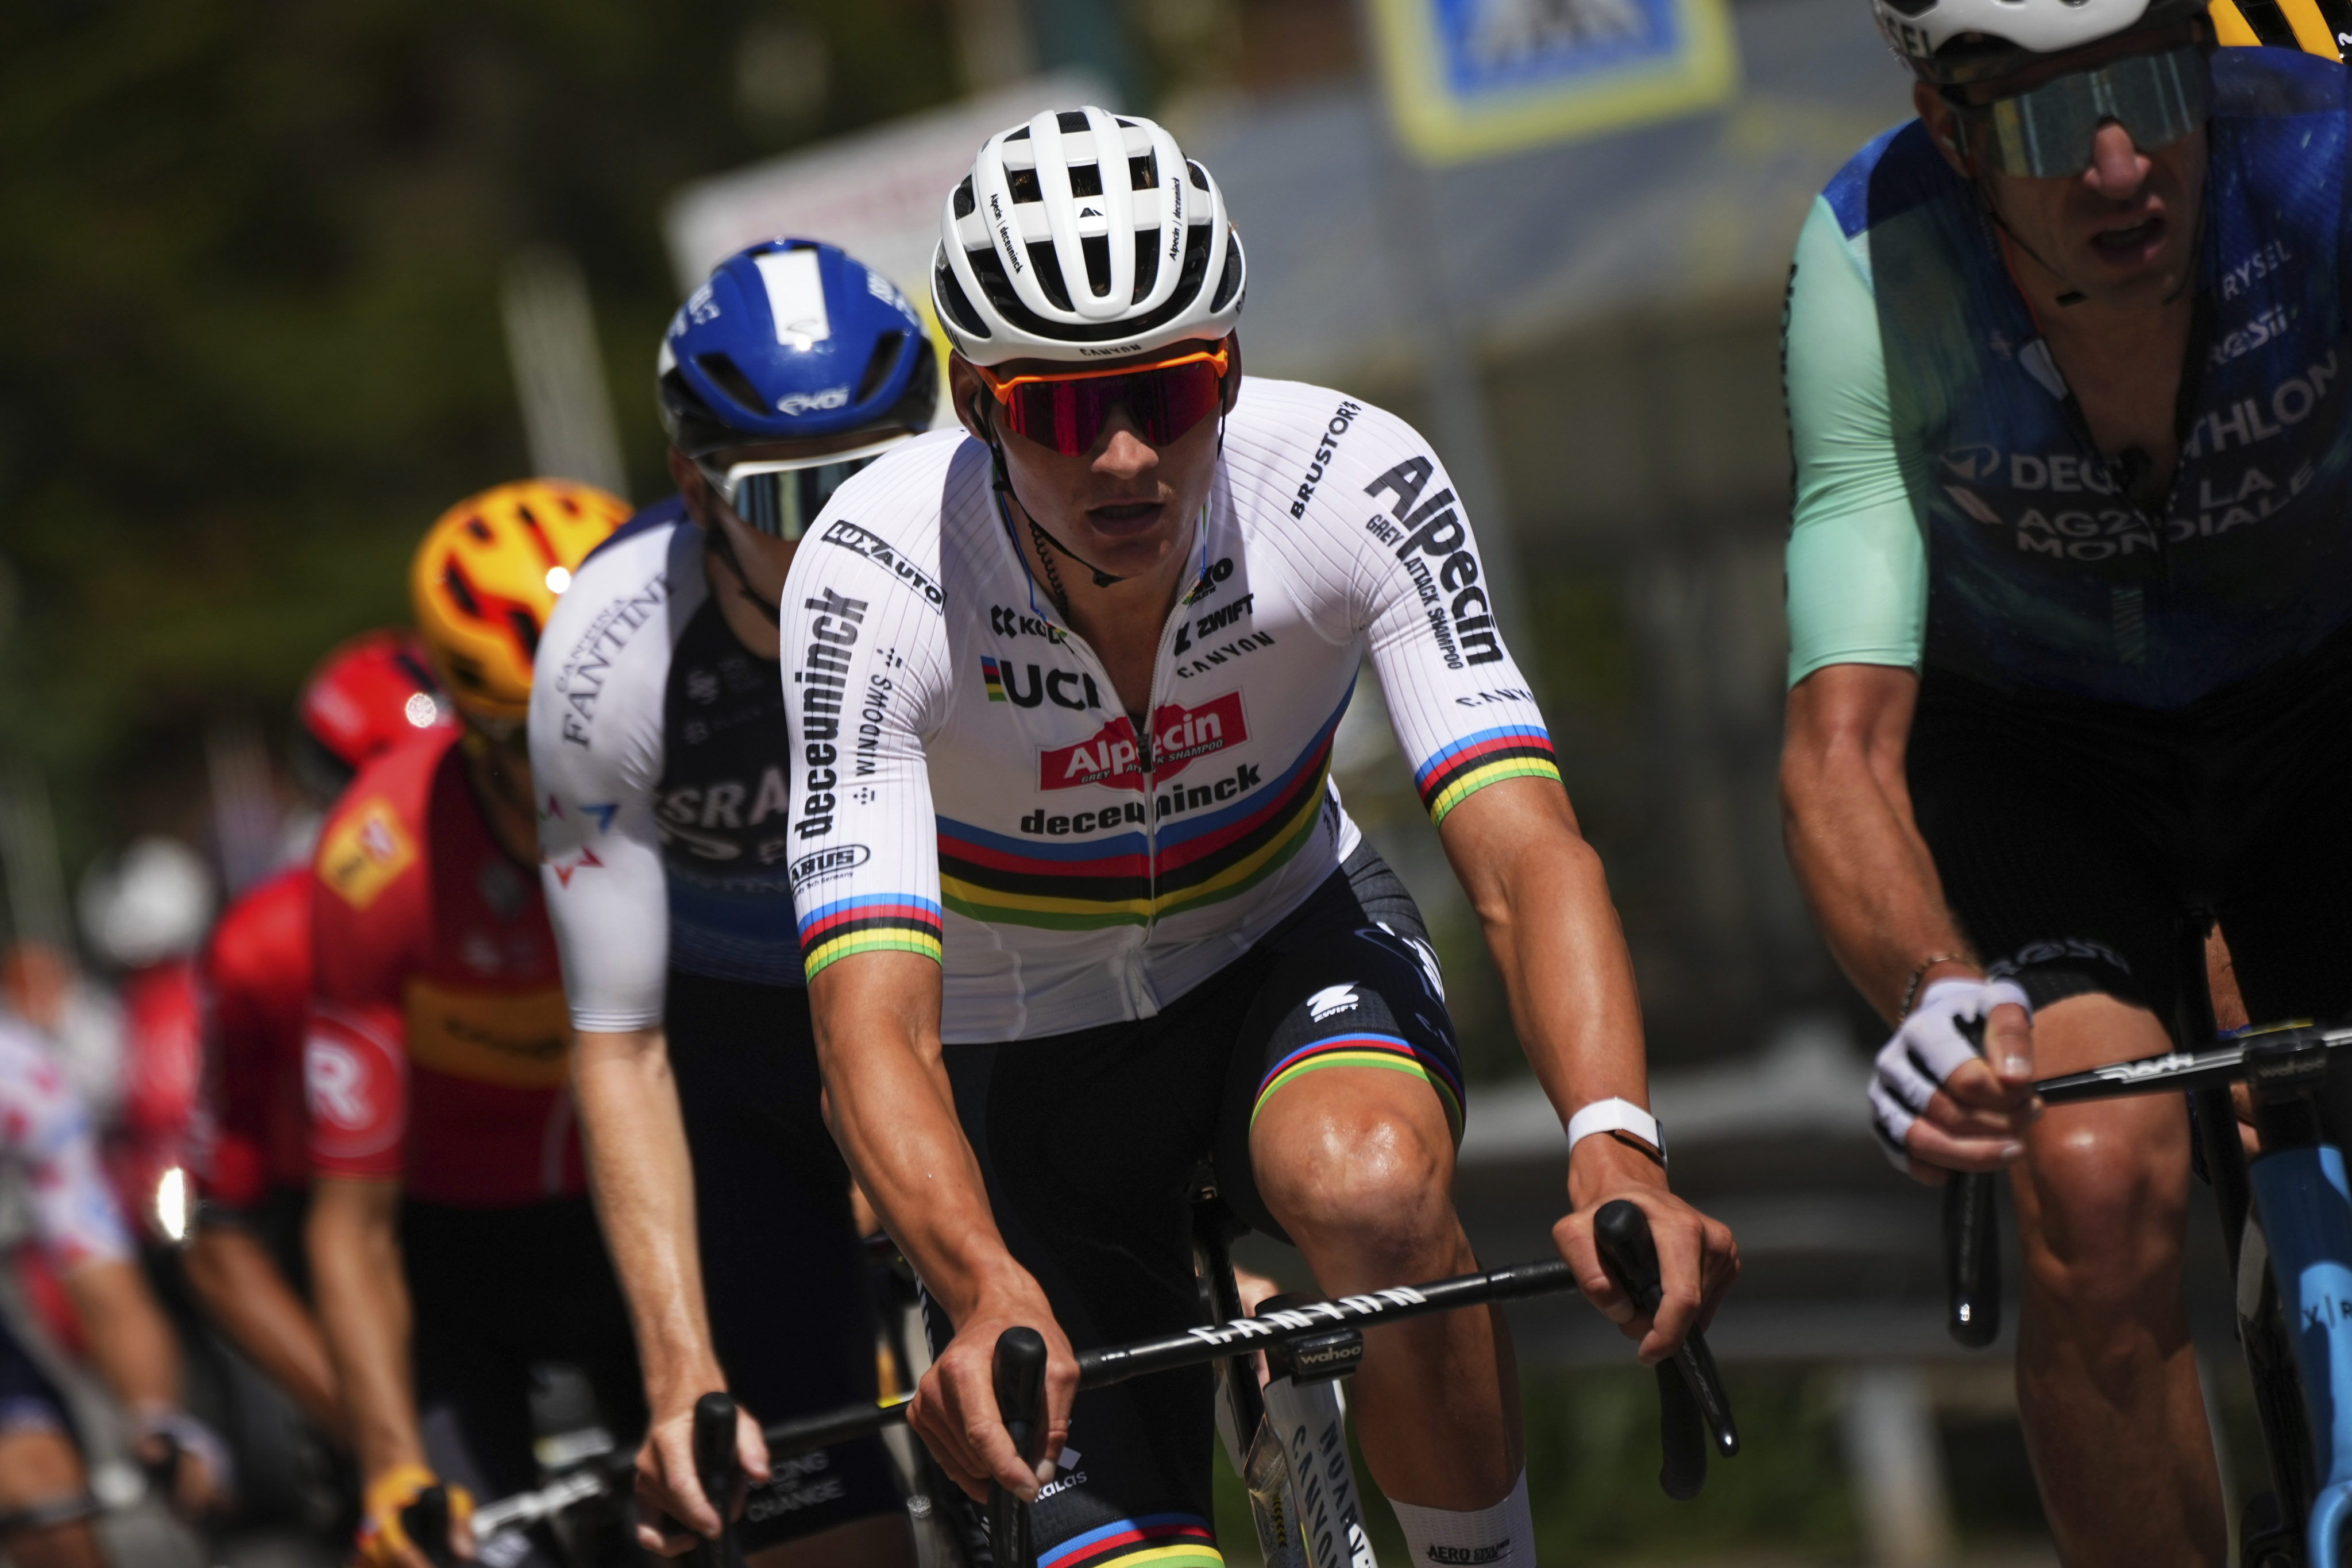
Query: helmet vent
x=1147, y=263
x=878, y=366
x=1911, y=7
x=460, y=590
x=1200, y=175
x=1019, y=135
x=478, y=529
x=1049, y=274
x=1232, y=278
x=1025, y=185
x=1144, y=174
x=526, y=631
x=952, y=294
x=965, y=203
x=730, y=379
x=1085, y=179
x=1098, y=253
x=1071, y=120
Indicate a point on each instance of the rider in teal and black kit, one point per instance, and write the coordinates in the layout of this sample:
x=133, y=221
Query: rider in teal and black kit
x=2068, y=589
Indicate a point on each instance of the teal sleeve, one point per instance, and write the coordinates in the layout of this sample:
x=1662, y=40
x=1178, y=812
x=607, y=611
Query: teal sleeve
x=1857, y=566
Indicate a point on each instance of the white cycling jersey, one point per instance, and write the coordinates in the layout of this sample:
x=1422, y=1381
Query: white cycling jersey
x=660, y=754
x=971, y=788
x=44, y=1129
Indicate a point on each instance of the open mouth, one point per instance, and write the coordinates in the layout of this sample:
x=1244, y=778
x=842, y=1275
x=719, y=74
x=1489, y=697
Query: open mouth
x=1125, y=518
x=2130, y=242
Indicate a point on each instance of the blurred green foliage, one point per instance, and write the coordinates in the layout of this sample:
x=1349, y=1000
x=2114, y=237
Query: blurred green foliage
x=249, y=256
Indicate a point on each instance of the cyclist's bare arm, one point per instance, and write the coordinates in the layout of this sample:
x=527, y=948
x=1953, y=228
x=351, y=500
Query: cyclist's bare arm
x=892, y=1111
x=1544, y=903
x=364, y=1306
x=643, y=1178
x=241, y=1287
x=1868, y=875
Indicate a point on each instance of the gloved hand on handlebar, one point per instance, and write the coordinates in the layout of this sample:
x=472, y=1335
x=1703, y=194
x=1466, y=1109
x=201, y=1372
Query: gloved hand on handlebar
x=1954, y=1087
x=383, y=1539
x=186, y=1459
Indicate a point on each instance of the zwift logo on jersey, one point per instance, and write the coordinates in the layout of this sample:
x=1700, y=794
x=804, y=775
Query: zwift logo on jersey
x=1434, y=530
x=883, y=553
x=1111, y=757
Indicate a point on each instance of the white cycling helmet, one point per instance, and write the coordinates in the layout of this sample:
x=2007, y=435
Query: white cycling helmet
x=152, y=902
x=1993, y=34
x=1085, y=235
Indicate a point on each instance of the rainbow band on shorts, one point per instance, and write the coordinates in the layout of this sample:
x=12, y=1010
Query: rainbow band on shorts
x=1163, y=1539
x=1365, y=1049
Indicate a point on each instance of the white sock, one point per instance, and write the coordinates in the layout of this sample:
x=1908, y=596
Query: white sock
x=1505, y=1533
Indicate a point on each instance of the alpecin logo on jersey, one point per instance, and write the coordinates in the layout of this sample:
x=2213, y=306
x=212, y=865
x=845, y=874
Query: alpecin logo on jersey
x=885, y=554
x=1179, y=734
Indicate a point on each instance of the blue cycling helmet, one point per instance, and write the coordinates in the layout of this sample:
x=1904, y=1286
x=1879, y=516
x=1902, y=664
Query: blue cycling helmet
x=792, y=340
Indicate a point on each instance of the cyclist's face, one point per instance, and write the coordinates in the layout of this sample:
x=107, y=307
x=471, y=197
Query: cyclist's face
x=2123, y=232
x=1124, y=505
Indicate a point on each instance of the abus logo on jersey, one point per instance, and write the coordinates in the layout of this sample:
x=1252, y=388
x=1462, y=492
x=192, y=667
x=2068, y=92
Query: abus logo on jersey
x=828, y=863
x=1179, y=734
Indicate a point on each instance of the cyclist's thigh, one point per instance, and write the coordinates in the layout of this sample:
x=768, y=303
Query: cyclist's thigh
x=784, y=1273
x=1087, y=1142
x=1350, y=1018
x=2056, y=832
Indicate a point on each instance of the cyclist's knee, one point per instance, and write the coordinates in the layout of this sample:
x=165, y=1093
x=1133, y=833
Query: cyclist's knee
x=1348, y=1170
x=2103, y=1219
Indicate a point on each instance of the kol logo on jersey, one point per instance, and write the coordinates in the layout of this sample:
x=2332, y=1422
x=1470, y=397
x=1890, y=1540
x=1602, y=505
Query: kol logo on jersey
x=1179, y=734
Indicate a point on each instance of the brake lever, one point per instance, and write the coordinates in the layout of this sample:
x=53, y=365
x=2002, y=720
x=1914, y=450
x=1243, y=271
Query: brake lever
x=1691, y=1400
x=715, y=1467
x=425, y=1523
x=1020, y=1375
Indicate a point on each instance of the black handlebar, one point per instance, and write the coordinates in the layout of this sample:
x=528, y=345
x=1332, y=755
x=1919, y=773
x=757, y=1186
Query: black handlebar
x=1020, y=1376
x=1973, y=1259
x=1690, y=1389
x=425, y=1523
x=716, y=1468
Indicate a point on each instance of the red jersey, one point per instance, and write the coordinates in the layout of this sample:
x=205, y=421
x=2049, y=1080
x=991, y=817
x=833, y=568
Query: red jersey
x=438, y=1043
x=255, y=981
x=162, y=1048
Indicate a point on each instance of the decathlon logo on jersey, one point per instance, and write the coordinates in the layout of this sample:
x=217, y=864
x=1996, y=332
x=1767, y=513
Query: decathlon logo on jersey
x=1330, y=1000
x=1179, y=734
x=883, y=553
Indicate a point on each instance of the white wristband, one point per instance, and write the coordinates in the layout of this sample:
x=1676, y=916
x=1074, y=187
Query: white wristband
x=1616, y=1116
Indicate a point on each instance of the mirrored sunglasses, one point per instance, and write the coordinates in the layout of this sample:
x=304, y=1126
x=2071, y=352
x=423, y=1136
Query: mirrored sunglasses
x=2046, y=132
x=781, y=497
x=1067, y=412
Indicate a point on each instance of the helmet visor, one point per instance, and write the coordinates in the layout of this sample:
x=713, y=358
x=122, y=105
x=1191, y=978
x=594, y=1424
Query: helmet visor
x=1067, y=412
x=781, y=497
x=2046, y=132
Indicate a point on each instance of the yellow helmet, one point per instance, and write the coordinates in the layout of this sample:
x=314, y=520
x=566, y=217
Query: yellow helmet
x=486, y=578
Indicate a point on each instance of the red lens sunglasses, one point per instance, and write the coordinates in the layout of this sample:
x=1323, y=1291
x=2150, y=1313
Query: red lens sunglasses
x=1066, y=412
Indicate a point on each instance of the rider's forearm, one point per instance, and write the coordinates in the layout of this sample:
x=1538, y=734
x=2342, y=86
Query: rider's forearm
x=643, y=1178
x=893, y=1113
x=1543, y=902
x=240, y=1285
x=356, y=1274
x=1846, y=816
x=130, y=1342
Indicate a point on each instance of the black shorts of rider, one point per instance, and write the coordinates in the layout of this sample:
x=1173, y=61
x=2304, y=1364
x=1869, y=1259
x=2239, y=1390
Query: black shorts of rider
x=497, y=1293
x=1089, y=1141
x=783, y=1274
x=2071, y=836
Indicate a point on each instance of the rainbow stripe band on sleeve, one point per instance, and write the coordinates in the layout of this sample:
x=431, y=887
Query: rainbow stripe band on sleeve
x=1163, y=1539
x=1365, y=1049
x=879, y=921
x=1490, y=756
